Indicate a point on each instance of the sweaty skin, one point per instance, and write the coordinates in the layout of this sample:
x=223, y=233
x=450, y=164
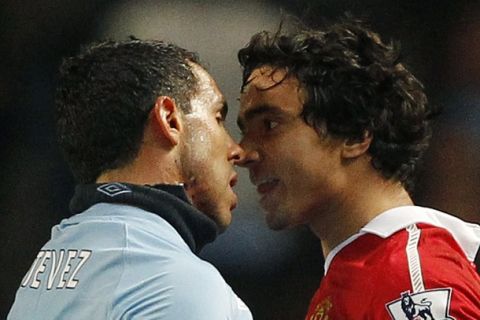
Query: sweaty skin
x=209, y=152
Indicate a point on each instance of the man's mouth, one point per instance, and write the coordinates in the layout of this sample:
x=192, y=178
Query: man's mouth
x=234, y=202
x=232, y=183
x=265, y=186
x=233, y=180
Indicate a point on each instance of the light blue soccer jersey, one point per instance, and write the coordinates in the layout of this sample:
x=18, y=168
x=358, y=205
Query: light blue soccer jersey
x=116, y=261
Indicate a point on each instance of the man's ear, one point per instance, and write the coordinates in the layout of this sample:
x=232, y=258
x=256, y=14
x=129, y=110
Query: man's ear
x=167, y=119
x=353, y=148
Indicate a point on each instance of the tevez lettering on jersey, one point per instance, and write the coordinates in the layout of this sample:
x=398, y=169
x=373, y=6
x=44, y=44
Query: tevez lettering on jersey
x=56, y=269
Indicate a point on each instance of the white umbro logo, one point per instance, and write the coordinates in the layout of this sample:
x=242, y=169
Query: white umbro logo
x=113, y=189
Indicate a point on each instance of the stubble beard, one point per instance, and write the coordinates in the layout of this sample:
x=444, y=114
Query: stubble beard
x=195, y=177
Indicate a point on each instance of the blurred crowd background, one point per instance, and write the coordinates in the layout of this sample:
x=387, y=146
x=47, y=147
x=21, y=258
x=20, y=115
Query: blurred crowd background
x=275, y=273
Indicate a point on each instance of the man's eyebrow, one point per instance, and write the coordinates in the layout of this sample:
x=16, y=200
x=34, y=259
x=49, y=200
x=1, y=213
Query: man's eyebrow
x=256, y=111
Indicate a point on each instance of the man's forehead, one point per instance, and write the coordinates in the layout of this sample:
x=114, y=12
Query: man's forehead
x=204, y=79
x=266, y=77
x=208, y=93
x=271, y=90
x=267, y=81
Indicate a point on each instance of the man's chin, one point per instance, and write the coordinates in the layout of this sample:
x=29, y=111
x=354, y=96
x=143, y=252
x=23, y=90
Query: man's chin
x=277, y=221
x=222, y=219
x=222, y=226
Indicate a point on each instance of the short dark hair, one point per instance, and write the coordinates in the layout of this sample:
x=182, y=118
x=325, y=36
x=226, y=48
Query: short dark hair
x=105, y=94
x=355, y=84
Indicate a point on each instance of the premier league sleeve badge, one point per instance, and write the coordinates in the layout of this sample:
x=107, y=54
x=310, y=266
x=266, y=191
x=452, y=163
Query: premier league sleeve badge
x=425, y=305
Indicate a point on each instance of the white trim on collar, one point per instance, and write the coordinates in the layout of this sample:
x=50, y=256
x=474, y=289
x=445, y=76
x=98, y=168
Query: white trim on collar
x=467, y=235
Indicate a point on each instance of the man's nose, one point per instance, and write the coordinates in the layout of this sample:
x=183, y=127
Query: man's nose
x=248, y=156
x=236, y=152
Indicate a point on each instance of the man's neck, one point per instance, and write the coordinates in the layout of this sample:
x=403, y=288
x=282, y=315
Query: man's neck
x=355, y=209
x=150, y=167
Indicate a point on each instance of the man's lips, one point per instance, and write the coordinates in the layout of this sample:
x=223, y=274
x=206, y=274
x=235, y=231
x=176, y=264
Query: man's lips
x=233, y=180
x=266, y=185
x=232, y=183
x=234, y=202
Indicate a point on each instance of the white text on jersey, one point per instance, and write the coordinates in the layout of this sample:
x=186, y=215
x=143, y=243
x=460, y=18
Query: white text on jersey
x=63, y=266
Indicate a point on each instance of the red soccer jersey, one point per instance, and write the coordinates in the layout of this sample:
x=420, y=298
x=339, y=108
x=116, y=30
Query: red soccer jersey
x=409, y=263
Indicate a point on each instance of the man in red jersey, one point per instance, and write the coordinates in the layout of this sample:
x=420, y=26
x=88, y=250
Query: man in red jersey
x=333, y=127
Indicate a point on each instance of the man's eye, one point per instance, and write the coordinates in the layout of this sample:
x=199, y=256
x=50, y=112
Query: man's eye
x=220, y=119
x=269, y=124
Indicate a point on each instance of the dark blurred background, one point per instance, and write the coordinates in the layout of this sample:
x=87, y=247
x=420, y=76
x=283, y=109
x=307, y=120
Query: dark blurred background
x=275, y=273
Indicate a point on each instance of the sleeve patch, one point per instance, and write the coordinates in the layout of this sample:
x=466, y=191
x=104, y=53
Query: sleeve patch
x=428, y=304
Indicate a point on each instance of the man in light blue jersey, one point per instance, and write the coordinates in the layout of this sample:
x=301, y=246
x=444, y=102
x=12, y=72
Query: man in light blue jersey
x=142, y=126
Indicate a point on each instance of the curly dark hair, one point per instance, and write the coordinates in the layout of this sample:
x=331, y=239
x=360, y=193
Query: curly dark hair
x=105, y=94
x=355, y=85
